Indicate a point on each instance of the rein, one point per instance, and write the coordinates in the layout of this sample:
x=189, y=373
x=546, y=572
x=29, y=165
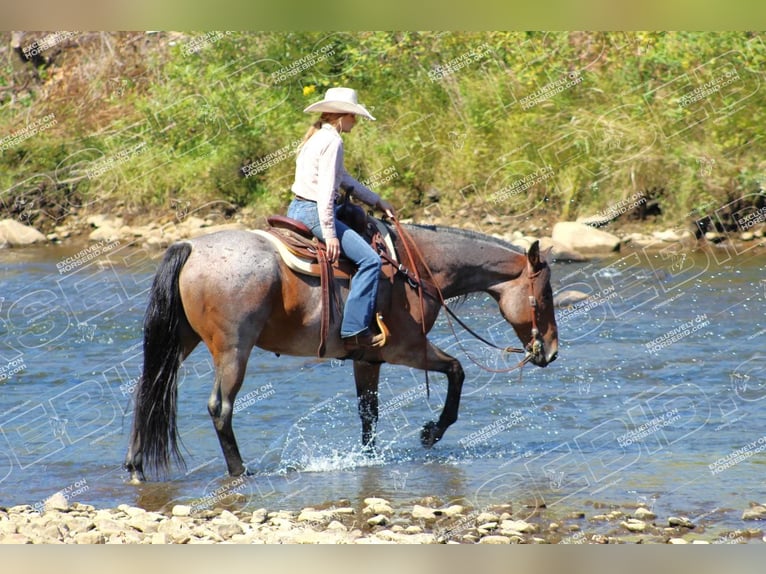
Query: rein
x=416, y=282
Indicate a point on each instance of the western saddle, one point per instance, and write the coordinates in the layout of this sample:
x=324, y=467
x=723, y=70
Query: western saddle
x=304, y=253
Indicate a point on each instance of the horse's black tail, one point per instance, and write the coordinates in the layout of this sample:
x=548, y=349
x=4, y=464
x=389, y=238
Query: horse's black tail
x=155, y=437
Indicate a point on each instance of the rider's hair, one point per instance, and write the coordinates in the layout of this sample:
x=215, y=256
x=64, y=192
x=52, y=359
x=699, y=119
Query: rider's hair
x=331, y=118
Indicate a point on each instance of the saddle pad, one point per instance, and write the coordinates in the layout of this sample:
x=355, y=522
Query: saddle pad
x=300, y=264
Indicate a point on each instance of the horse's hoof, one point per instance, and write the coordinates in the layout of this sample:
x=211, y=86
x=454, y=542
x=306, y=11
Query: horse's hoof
x=428, y=435
x=136, y=478
x=369, y=450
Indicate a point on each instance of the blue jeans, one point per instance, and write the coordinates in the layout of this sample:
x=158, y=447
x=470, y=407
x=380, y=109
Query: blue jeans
x=360, y=304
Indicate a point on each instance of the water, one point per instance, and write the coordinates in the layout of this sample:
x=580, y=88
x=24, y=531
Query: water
x=659, y=379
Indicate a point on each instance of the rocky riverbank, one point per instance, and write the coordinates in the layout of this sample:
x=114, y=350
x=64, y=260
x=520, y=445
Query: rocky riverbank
x=569, y=240
x=374, y=521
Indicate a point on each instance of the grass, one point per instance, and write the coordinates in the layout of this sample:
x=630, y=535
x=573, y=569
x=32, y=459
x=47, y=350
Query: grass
x=179, y=115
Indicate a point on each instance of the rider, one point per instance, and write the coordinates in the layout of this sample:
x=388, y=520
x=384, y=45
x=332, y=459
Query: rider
x=319, y=172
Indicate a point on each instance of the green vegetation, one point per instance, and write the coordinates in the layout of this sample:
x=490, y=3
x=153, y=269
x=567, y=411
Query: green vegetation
x=520, y=124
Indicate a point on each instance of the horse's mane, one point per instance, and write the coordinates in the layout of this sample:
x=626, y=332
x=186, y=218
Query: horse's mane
x=469, y=234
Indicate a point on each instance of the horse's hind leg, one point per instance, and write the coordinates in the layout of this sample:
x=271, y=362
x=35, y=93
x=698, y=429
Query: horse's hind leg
x=230, y=368
x=367, y=376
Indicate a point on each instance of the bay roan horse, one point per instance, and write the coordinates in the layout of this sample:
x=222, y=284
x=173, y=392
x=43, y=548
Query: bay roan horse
x=231, y=290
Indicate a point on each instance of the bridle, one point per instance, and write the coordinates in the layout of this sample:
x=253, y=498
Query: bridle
x=534, y=347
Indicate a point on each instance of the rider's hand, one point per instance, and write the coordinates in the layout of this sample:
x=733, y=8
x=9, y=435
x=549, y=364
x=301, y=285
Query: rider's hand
x=333, y=249
x=386, y=208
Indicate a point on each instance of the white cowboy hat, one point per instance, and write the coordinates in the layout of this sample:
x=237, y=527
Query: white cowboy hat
x=340, y=100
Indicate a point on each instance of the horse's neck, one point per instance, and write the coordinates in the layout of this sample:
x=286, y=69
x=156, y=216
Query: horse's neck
x=464, y=262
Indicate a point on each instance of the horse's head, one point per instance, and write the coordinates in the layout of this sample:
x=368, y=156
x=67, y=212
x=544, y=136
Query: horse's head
x=526, y=302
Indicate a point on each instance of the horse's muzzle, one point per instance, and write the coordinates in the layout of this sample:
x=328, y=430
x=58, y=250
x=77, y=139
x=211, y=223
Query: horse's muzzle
x=537, y=353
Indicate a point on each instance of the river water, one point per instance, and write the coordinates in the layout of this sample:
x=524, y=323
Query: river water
x=655, y=398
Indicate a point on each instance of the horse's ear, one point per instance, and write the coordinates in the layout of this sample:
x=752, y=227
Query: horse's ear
x=533, y=253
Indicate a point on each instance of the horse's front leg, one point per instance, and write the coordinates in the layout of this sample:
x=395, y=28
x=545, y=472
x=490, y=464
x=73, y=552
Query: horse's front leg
x=367, y=376
x=438, y=360
x=434, y=359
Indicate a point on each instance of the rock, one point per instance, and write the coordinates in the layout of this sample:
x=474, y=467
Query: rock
x=311, y=515
x=451, y=511
x=15, y=234
x=634, y=525
x=159, y=538
x=568, y=297
x=494, y=539
x=90, y=537
x=105, y=234
x=681, y=521
x=227, y=530
x=577, y=514
x=381, y=507
x=677, y=541
x=747, y=236
x=422, y=513
x=108, y=527
x=585, y=239
x=561, y=252
x=259, y=516
x=715, y=237
x=336, y=526
x=15, y=538
x=755, y=512
x=371, y=501
x=518, y=526
x=487, y=517
x=56, y=501
x=669, y=235
x=378, y=520
x=644, y=514
x=181, y=510
x=413, y=529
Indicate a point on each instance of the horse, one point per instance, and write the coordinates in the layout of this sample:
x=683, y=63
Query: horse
x=231, y=290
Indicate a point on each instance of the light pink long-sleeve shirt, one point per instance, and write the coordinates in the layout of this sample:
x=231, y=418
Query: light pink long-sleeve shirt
x=319, y=172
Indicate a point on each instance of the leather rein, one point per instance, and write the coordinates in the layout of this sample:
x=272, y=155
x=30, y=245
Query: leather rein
x=432, y=289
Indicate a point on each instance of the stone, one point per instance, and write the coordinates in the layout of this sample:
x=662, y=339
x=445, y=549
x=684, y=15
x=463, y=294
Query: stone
x=634, y=525
x=518, y=526
x=677, y=541
x=227, y=530
x=336, y=526
x=484, y=517
x=318, y=516
x=15, y=234
x=259, y=516
x=56, y=501
x=561, y=252
x=379, y=506
x=370, y=501
x=450, y=511
x=747, y=236
x=494, y=539
x=422, y=513
x=755, y=512
x=568, y=297
x=585, y=239
x=644, y=514
x=378, y=520
x=669, y=235
x=181, y=510
x=89, y=537
x=681, y=521
x=159, y=538
x=15, y=538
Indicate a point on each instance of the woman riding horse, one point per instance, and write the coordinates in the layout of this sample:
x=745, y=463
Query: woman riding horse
x=319, y=172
